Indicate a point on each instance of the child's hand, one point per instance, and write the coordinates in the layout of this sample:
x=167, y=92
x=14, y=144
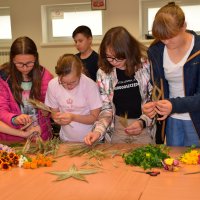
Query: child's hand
x=91, y=137
x=135, y=128
x=149, y=109
x=30, y=130
x=163, y=108
x=63, y=118
x=22, y=119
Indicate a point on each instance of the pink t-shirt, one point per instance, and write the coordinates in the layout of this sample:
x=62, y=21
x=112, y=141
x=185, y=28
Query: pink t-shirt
x=80, y=100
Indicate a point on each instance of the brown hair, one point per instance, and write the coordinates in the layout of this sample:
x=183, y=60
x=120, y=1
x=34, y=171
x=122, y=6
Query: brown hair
x=68, y=63
x=85, y=30
x=168, y=21
x=125, y=46
x=25, y=45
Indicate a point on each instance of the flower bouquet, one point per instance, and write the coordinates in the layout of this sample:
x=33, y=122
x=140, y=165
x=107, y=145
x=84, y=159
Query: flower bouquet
x=8, y=158
x=147, y=157
x=170, y=164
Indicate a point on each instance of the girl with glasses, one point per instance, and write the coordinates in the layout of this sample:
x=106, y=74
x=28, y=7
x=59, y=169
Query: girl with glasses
x=74, y=99
x=20, y=79
x=123, y=80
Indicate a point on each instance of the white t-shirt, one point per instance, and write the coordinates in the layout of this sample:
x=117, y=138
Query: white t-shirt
x=80, y=100
x=174, y=76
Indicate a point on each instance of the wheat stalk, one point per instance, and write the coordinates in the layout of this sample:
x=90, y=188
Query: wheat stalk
x=40, y=105
x=124, y=120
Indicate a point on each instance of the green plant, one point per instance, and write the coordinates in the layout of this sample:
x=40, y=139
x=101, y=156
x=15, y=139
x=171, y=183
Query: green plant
x=147, y=157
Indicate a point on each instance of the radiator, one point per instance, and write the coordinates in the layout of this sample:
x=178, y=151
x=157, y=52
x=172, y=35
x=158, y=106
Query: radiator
x=4, y=56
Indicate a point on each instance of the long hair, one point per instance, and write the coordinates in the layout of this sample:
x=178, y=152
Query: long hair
x=168, y=21
x=25, y=45
x=124, y=46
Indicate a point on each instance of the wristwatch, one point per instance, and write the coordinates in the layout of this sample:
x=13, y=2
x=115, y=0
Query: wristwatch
x=143, y=123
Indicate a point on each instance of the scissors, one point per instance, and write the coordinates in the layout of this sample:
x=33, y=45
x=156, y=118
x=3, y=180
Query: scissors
x=150, y=173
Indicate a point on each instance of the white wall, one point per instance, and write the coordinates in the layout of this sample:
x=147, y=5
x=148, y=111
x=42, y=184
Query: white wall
x=26, y=20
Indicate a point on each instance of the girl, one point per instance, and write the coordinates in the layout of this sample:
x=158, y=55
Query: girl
x=74, y=98
x=175, y=57
x=123, y=80
x=20, y=79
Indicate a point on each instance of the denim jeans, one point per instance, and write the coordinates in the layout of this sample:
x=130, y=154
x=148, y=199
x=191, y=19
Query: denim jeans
x=181, y=133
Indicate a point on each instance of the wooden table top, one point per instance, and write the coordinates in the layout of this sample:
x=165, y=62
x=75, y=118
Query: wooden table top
x=117, y=181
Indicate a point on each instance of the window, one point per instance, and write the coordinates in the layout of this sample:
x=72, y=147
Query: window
x=59, y=21
x=150, y=8
x=5, y=24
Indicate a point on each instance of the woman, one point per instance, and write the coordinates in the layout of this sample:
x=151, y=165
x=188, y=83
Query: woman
x=175, y=57
x=74, y=98
x=20, y=79
x=123, y=80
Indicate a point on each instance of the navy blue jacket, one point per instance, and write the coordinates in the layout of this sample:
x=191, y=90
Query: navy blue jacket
x=191, y=72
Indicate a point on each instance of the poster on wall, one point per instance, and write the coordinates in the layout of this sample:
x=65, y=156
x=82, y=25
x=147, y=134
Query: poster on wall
x=98, y=4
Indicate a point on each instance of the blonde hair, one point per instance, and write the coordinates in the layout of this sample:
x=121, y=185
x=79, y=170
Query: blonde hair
x=168, y=21
x=68, y=63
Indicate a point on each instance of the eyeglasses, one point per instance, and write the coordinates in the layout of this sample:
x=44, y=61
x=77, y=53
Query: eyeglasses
x=74, y=83
x=21, y=65
x=111, y=59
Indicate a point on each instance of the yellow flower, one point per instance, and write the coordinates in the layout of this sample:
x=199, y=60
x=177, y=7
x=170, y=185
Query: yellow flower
x=169, y=161
x=190, y=158
x=148, y=155
x=175, y=169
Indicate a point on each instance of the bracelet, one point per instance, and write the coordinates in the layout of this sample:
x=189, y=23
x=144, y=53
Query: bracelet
x=13, y=120
x=143, y=123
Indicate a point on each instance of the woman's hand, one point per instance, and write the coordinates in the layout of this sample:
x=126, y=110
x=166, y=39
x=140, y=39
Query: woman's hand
x=149, y=109
x=22, y=119
x=163, y=108
x=91, y=137
x=135, y=128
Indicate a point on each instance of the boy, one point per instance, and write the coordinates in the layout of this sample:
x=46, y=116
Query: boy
x=82, y=36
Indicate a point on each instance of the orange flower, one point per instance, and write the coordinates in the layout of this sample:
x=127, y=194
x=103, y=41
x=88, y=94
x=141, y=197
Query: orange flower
x=15, y=162
x=40, y=156
x=48, y=163
x=16, y=157
x=39, y=161
x=1, y=162
x=11, y=155
x=6, y=166
x=34, y=165
x=4, y=154
x=27, y=165
x=1, y=152
x=33, y=159
x=6, y=158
